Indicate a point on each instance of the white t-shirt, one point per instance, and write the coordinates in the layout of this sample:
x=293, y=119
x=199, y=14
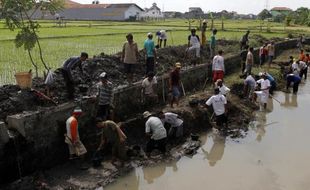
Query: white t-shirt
x=148, y=85
x=163, y=35
x=218, y=63
x=295, y=66
x=194, y=41
x=264, y=84
x=218, y=103
x=250, y=81
x=172, y=119
x=155, y=126
x=302, y=65
x=223, y=89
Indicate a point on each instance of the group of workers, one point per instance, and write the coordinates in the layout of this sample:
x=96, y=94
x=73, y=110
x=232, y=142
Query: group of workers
x=113, y=136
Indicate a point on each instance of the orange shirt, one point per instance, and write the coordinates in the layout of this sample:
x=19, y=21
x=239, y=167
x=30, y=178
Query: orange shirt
x=302, y=57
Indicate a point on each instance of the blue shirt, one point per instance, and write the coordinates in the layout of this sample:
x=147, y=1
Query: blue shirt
x=271, y=79
x=293, y=78
x=149, y=46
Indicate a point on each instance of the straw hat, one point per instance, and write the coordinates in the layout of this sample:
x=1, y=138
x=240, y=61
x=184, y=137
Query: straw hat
x=146, y=114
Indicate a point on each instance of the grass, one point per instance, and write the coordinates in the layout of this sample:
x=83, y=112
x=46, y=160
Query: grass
x=94, y=37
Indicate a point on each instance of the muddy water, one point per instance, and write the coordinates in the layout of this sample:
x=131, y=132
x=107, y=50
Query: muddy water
x=275, y=155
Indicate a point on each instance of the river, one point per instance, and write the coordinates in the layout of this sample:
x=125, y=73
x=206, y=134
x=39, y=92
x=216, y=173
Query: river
x=274, y=155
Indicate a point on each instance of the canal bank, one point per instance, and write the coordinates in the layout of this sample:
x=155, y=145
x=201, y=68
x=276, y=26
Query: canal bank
x=274, y=155
x=139, y=122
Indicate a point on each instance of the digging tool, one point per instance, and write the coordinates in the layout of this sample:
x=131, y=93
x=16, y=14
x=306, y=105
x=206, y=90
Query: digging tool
x=40, y=94
x=183, y=88
x=274, y=98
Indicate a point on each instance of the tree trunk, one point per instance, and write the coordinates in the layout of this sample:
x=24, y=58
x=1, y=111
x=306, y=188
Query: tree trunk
x=33, y=63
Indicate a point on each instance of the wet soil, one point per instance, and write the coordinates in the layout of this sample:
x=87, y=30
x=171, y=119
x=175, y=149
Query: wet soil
x=13, y=100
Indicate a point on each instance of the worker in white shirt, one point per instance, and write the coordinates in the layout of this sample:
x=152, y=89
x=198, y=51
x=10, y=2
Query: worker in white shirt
x=224, y=90
x=176, y=123
x=264, y=87
x=219, y=104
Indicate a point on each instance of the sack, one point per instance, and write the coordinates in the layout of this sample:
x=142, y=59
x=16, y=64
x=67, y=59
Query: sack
x=49, y=78
x=80, y=148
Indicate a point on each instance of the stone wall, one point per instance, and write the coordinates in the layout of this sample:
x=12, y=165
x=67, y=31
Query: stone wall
x=39, y=141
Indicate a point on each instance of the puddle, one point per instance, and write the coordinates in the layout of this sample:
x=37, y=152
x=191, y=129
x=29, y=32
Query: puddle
x=274, y=155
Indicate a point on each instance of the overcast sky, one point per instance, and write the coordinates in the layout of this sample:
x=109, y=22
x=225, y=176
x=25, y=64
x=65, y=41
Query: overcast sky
x=241, y=6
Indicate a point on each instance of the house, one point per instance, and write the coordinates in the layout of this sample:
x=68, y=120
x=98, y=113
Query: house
x=76, y=11
x=195, y=12
x=153, y=13
x=276, y=11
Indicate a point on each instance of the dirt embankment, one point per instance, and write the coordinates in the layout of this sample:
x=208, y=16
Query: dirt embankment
x=197, y=119
x=13, y=101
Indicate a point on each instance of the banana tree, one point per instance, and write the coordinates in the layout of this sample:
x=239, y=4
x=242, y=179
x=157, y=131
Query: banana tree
x=18, y=15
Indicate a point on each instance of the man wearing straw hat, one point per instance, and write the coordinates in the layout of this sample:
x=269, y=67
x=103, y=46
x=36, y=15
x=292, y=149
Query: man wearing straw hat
x=72, y=137
x=149, y=48
x=155, y=129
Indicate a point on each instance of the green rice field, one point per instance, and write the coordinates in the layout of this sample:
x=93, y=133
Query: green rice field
x=94, y=37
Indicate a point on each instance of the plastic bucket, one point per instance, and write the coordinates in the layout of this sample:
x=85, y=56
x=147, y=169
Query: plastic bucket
x=24, y=79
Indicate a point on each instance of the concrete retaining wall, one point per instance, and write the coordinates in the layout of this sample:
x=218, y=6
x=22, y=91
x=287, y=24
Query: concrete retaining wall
x=41, y=141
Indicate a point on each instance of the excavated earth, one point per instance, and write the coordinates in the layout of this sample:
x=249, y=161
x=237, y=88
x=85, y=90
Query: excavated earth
x=13, y=100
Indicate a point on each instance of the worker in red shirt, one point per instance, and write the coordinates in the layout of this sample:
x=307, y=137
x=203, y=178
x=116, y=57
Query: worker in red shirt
x=72, y=137
x=302, y=56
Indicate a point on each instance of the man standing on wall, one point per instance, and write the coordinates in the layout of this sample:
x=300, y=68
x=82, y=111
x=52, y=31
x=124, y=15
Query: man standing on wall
x=244, y=40
x=203, y=34
x=249, y=61
x=218, y=67
x=271, y=52
x=193, y=45
x=129, y=56
x=150, y=51
x=213, y=43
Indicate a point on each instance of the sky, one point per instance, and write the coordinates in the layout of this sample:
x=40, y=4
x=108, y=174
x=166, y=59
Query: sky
x=240, y=6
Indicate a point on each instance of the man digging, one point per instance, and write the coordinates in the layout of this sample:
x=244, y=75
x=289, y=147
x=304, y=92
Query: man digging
x=219, y=105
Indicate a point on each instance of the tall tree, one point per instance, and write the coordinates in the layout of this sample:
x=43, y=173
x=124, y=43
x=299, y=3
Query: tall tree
x=264, y=14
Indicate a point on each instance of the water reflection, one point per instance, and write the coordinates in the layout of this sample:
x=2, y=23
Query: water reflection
x=150, y=173
x=217, y=151
x=290, y=100
x=260, y=125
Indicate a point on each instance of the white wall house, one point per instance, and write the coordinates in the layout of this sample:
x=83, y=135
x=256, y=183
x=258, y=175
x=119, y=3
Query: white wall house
x=152, y=13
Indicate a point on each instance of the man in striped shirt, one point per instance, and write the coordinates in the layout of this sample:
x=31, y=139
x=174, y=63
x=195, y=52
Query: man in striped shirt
x=105, y=97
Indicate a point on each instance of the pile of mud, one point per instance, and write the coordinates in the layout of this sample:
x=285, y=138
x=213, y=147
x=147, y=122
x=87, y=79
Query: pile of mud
x=13, y=100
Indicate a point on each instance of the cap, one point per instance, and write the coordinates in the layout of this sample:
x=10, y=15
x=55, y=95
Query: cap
x=103, y=75
x=158, y=33
x=77, y=110
x=204, y=21
x=149, y=34
x=219, y=80
x=178, y=65
x=146, y=114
